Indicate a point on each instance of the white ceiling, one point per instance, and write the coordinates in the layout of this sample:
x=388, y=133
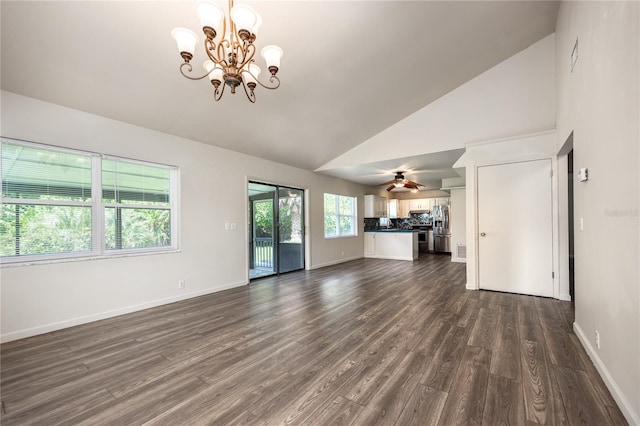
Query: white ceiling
x=350, y=69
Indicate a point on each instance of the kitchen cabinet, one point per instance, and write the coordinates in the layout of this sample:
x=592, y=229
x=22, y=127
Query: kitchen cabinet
x=369, y=244
x=404, y=208
x=393, y=209
x=420, y=204
x=375, y=206
x=391, y=245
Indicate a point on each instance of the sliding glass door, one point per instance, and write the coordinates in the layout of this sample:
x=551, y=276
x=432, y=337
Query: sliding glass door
x=276, y=229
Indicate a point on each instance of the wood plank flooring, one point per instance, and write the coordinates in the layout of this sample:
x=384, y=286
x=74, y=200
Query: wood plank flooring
x=368, y=342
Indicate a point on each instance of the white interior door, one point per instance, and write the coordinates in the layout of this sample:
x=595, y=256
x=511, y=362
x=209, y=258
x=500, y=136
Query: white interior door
x=515, y=228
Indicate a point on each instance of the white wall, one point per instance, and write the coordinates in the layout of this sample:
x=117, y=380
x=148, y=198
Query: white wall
x=45, y=297
x=458, y=218
x=513, y=98
x=599, y=102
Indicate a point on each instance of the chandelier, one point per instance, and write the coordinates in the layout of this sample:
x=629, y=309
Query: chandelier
x=229, y=44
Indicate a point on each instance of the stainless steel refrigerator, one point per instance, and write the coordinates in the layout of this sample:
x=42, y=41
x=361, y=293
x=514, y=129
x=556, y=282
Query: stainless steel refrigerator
x=441, y=231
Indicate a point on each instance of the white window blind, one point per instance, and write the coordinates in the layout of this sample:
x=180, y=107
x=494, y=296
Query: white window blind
x=46, y=201
x=60, y=203
x=137, y=201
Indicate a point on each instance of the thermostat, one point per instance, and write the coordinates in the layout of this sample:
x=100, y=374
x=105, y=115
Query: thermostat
x=583, y=174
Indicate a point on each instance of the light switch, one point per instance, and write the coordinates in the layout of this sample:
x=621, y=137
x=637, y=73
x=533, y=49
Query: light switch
x=227, y=226
x=582, y=224
x=234, y=226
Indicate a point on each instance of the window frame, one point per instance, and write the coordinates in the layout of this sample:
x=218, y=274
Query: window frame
x=338, y=215
x=97, y=206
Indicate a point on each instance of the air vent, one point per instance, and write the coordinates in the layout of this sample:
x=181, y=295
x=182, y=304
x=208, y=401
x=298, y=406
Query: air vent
x=462, y=251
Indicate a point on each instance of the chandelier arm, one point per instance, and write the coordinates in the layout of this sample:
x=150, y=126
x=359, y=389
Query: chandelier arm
x=222, y=59
x=250, y=95
x=210, y=49
x=247, y=59
x=271, y=79
x=189, y=70
x=217, y=94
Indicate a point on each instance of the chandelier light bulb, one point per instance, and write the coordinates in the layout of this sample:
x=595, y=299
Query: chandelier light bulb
x=186, y=40
x=244, y=17
x=398, y=184
x=249, y=78
x=272, y=55
x=257, y=25
x=215, y=71
x=211, y=15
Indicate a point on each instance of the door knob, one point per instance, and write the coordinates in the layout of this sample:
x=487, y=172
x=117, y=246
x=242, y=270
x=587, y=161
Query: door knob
x=482, y=234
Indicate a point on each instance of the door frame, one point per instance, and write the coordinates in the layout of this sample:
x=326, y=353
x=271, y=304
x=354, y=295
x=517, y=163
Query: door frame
x=524, y=147
x=554, y=218
x=249, y=231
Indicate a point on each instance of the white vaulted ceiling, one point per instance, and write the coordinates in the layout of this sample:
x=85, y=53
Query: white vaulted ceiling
x=350, y=69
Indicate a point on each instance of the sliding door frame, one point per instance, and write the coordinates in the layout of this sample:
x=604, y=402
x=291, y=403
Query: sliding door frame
x=276, y=227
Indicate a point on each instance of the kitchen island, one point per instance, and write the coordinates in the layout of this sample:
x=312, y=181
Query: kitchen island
x=395, y=244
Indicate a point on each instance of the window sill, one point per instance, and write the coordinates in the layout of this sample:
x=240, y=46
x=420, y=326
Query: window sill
x=4, y=264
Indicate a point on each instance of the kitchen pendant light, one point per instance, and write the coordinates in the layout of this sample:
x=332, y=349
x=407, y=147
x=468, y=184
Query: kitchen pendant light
x=229, y=45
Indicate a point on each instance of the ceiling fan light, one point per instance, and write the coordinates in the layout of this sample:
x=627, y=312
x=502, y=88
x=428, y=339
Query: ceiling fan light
x=211, y=15
x=398, y=184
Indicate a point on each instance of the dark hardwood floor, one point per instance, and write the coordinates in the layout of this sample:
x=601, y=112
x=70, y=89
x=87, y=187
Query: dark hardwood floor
x=366, y=342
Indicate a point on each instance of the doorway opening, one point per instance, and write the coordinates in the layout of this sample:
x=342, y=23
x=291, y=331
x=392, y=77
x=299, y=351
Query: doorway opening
x=276, y=229
x=571, y=223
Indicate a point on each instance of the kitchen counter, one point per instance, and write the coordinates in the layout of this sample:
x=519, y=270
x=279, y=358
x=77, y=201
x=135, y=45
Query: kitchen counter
x=395, y=244
x=391, y=230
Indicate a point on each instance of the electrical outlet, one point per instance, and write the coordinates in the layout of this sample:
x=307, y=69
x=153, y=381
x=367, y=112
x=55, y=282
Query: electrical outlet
x=342, y=254
x=597, y=339
x=582, y=224
x=181, y=284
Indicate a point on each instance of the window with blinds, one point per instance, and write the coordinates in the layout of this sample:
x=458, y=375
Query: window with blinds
x=339, y=216
x=51, y=204
x=137, y=202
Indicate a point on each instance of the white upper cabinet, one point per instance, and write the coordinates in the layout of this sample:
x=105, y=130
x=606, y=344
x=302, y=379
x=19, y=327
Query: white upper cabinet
x=420, y=204
x=375, y=206
x=403, y=208
x=394, y=209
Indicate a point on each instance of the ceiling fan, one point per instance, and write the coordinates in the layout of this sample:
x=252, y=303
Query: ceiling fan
x=400, y=182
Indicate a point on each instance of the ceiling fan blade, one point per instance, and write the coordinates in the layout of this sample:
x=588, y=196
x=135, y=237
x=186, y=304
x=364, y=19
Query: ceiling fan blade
x=387, y=183
x=390, y=187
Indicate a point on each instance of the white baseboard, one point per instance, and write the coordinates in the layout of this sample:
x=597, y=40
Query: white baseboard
x=391, y=258
x=565, y=297
x=631, y=416
x=29, y=332
x=471, y=286
x=334, y=262
x=458, y=259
